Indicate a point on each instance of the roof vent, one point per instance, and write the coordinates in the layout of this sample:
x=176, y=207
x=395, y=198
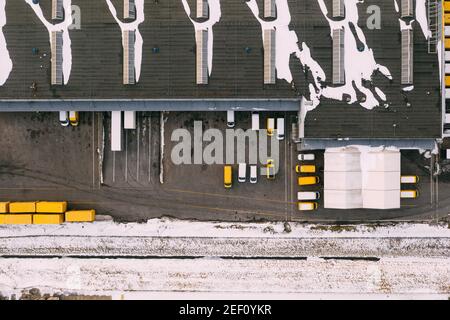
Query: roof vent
x=270, y=10
x=407, y=57
x=338, y=9
x=269, y=56
x=128, y=57
x=338, y=57
x=57, y=58
x=129, y=9
x=202, y=56
x=202, y=9
x=57, y=10
x=407, y=9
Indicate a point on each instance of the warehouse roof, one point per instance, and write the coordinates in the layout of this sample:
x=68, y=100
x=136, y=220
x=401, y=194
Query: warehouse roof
x=236, y=63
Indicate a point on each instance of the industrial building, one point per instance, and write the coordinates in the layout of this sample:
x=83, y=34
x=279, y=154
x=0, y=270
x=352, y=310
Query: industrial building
x=370, y=73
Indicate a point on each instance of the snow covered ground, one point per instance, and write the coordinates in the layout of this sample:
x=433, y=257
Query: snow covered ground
x=167, y=258
x=214, y=278
x=178, y=238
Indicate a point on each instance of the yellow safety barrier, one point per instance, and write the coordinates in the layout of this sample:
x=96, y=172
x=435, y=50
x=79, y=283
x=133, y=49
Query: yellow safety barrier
x=4, y=207
x=16, y=218
x=51, y=207
x=80, y=216
x=48, y=218
x=22, y=207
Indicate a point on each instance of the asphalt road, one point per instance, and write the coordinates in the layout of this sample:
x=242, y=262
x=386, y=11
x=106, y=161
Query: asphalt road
x=41, y=160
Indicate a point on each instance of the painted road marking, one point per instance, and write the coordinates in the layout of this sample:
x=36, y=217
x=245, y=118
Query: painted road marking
x=149, y=147
x=138, y=150
x=126, y=155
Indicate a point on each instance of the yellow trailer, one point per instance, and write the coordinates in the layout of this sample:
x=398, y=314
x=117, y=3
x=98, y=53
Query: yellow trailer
x=227, y=176
x=51, y=218
x=16, y=218
x=22, y=207
x=4, y=207
x=447, y=19
x=80, y=216
x=446, y=6
x=51, y=207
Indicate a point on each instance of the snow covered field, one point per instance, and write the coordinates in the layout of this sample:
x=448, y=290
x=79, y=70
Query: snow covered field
x=178, y=238
x=212, y=277
x=188, y=259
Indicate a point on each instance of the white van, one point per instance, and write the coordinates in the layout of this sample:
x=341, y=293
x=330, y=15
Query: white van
x=64, y=118
x=280, y=128
x=313, y=195
x=242, y=172
x=230, y=118
x=409, y=194
x=253, y=174
x=255, y=121
x=306, y=157
x=409, y=179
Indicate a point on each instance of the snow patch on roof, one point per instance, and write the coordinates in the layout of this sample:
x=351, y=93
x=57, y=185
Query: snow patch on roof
x=64, y=28
x=132, y=26
x=5, y=59
x=421, y=17
x=360, y=64
x=215, y=14
x=286, y=43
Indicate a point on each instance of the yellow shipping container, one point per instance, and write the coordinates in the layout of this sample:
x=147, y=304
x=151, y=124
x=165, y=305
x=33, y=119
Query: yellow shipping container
x=447, y=43
x=447, y=19
x=4, y=207
x=22, y=207
x=446, y=6
x=80, y=216
x=51, y=207
x=48, y=218
x=16, y=218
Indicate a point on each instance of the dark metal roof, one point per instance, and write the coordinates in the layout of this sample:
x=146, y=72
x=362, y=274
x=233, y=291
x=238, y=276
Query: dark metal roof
x=170, y=73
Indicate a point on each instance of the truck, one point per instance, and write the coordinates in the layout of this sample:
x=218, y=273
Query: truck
x=306, y=181
x=280, y=128
x=230, y=118
x=308, y=195
x=227, y=176
x=310, y=168
x=409, y=194
x=307, y=206
x=242, y=172
x=306, y=157
x=409, y=179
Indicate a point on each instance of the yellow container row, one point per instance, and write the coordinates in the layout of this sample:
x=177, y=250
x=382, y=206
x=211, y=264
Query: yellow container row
x=42, y=212
x=446, y=7
x=48, y=218
x=33, y=207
